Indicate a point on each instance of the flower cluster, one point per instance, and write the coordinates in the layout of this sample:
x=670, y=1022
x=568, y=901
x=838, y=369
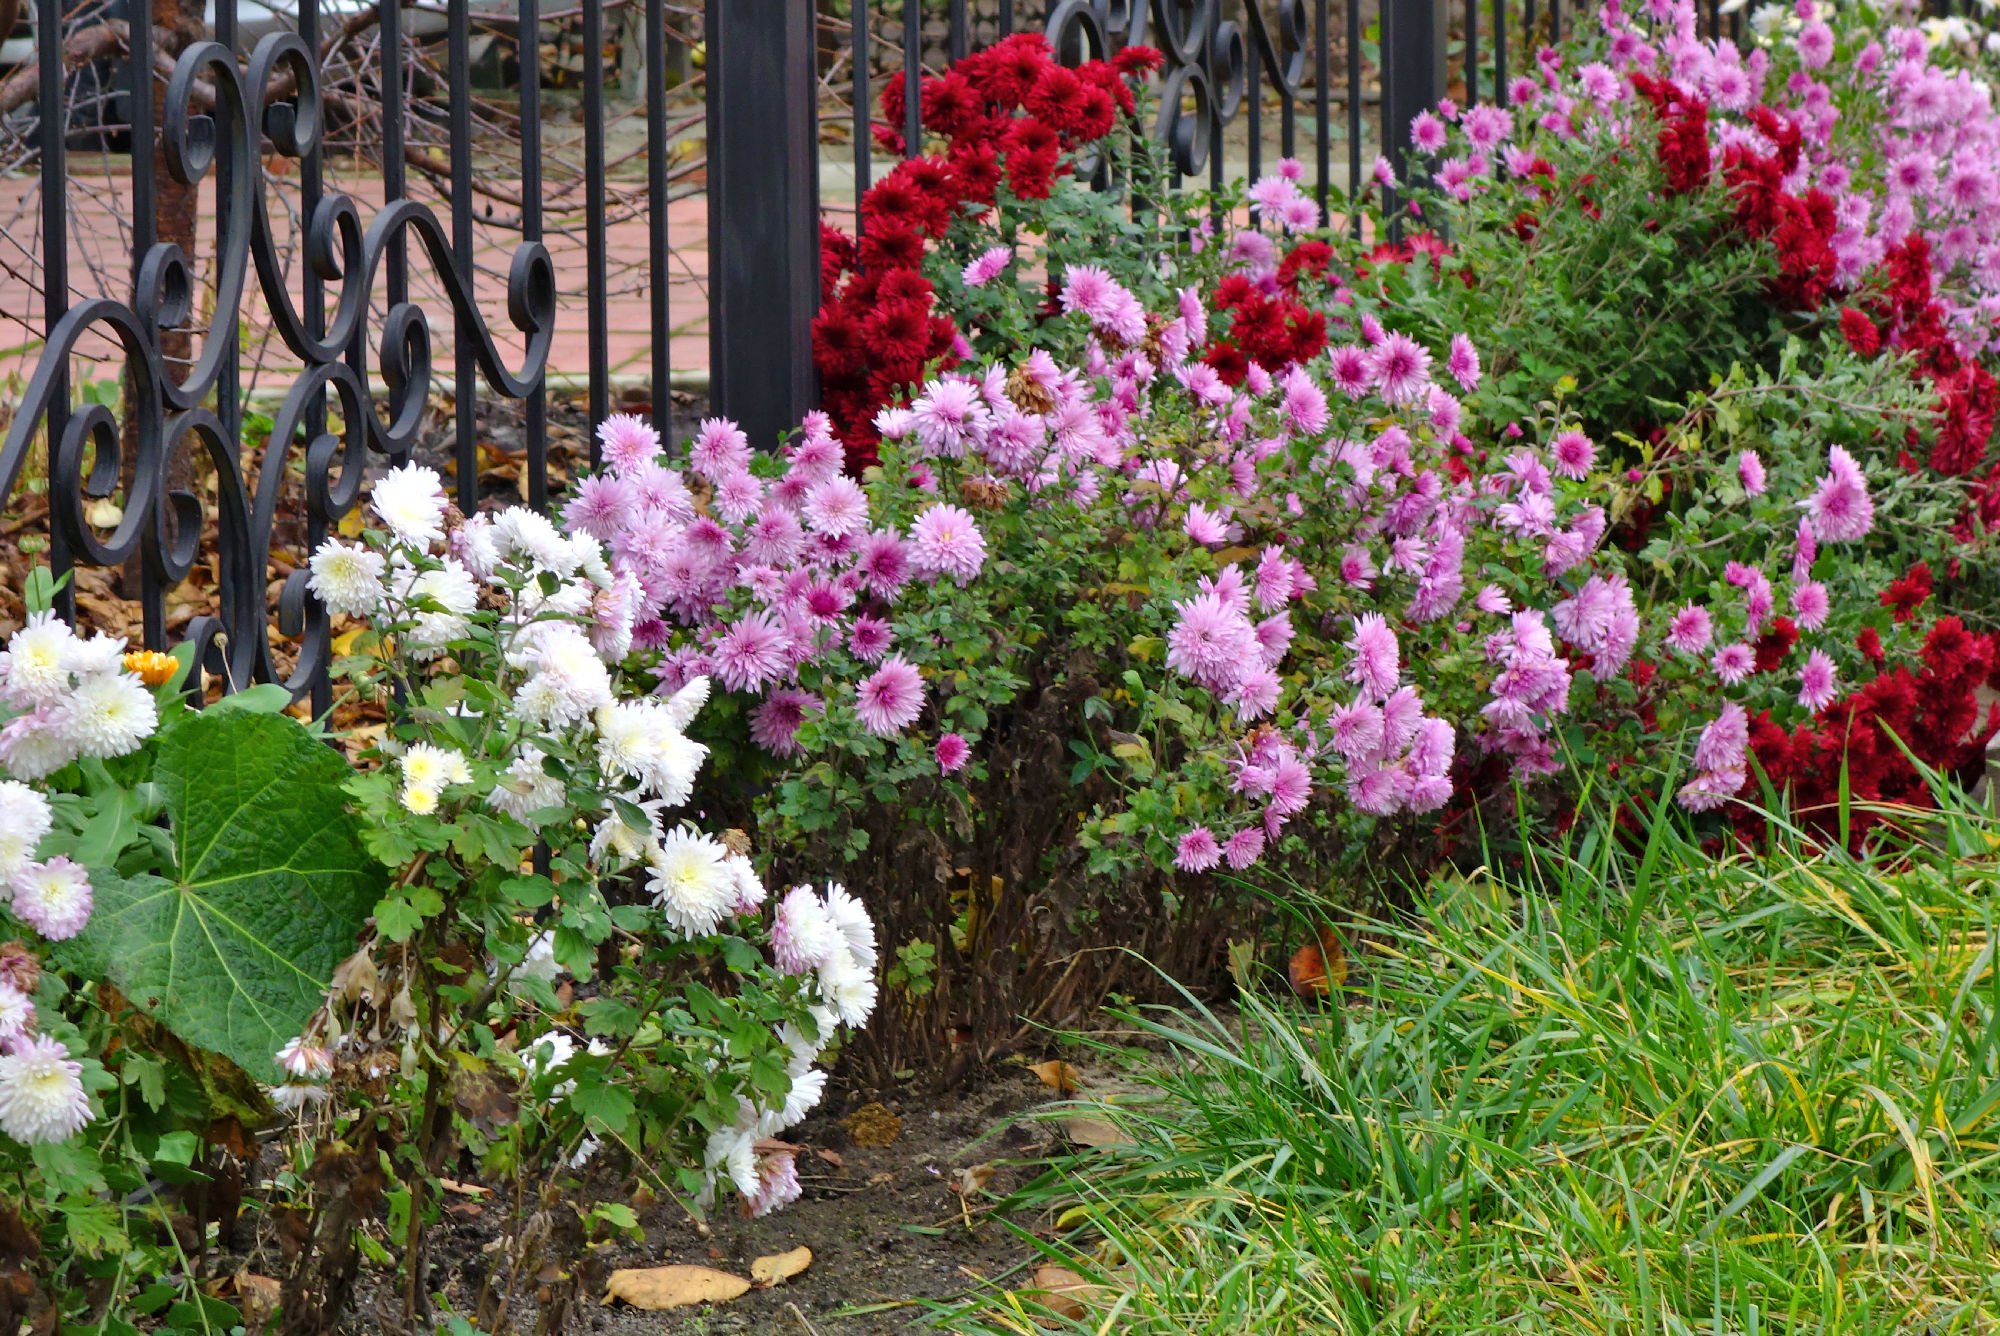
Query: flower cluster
x=1011, y=120
x=522, y=626
x=780, y=573
x=72, y=698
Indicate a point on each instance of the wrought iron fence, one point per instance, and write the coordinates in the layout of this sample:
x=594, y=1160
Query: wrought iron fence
x=251, y=127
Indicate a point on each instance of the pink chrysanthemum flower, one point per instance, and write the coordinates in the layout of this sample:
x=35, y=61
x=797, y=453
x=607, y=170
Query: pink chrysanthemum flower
x=627, y=442
x=952, y=752
x=1818, y=685
x=891, y=698
x=883, y=560
x=1734, y=663
x=1349, y=366
x=946, y=541
x=1197, y=851
x=1463, y=363
x=604, y=505
x=1690, y=630
x=1811, y=604
x=720, y=448
x=1245, y=847
x=752, y=652
x=869, y=639
x=1376, y=663
x=836, y=507
x=1840, y=507
x=1750, y=472
x=774, y=724
x=1571, y=454
x=1427, y=134
x=1210, y=641
x=1400, y=368
x=988, y=266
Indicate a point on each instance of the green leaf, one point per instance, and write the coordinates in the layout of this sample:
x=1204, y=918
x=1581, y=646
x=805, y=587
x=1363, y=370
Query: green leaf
x=269, y=890
x=264, y=698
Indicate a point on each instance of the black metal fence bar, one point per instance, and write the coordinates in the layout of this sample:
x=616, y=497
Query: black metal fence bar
x=365, y=347
x=597, y=282
x=659, y=250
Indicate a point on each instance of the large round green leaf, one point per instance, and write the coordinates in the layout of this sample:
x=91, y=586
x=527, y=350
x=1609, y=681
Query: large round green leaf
x=268, y=893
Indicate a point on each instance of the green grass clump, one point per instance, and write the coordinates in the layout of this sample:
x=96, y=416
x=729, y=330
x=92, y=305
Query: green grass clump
x=1604, y=1089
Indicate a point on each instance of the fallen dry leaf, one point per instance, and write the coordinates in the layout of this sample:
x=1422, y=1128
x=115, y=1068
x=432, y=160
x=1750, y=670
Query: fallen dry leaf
x=1058, y=1076
x=660, y=1287
x=260, y=1296
x=463, y=1189
x=1318, y=968
x=768, y=1271
x=832, y=1157
x=971, y=1179
x=1061, y=1291
x=1086, y=1131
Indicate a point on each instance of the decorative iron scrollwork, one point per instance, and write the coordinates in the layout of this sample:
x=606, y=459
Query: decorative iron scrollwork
x=217, y=112
x=1208, y=58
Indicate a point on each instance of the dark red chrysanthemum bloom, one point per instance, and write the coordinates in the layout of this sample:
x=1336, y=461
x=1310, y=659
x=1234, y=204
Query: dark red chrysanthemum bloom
x=1860, y=332
x=1907, y=594
x=1776, y=643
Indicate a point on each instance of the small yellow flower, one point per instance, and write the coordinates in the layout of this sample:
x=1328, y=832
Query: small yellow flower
x=151, y=667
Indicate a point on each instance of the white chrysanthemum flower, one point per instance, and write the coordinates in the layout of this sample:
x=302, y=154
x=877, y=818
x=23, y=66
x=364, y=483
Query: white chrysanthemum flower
x=99, y=654
x=473, y=544
x=637, y=740
x=35, y=668
x=109, y=714
x=410, y=500
x=750, y=892
x=522, y=533
x=304, y=1061
x=686, y=703
x=427, y=769
x=849, y=988
x=17, y=1014
x=808, y=1088
x=526, y=787
x=590, y=562
x=34, y=745
x=24, y=819
x=616, y=840
x=732, y=1153
x=53, y=898
x=41, y=1092
x=569, y=683
x=548, y=1055
x=572, y=598
x=690, y=881
x=293, y=1096
x=452, y=589
x=853, y=922
x=347, y=578
x=804, y=936
x=540, y=961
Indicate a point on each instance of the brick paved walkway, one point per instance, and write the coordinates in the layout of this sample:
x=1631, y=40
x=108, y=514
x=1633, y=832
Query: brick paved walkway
x=100, y=233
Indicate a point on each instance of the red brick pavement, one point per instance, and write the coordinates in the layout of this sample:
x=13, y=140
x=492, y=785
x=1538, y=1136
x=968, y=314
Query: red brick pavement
x=100, y=232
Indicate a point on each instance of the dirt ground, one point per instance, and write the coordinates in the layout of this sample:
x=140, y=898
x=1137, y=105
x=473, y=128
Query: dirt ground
x=886, y=1228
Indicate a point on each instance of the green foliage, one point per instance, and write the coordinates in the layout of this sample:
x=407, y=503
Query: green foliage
x=1621, y=1085
x=231, y=943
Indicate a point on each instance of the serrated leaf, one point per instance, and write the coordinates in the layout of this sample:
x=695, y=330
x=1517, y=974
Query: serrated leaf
x=269, y=890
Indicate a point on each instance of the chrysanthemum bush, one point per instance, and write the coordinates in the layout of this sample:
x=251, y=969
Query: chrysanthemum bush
x=160, y=925
x=1088, y=632
x=1651, y=189
x=564, y=961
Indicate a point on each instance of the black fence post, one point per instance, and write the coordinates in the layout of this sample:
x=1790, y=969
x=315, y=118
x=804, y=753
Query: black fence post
x=1413, y=73
x=763, y=212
